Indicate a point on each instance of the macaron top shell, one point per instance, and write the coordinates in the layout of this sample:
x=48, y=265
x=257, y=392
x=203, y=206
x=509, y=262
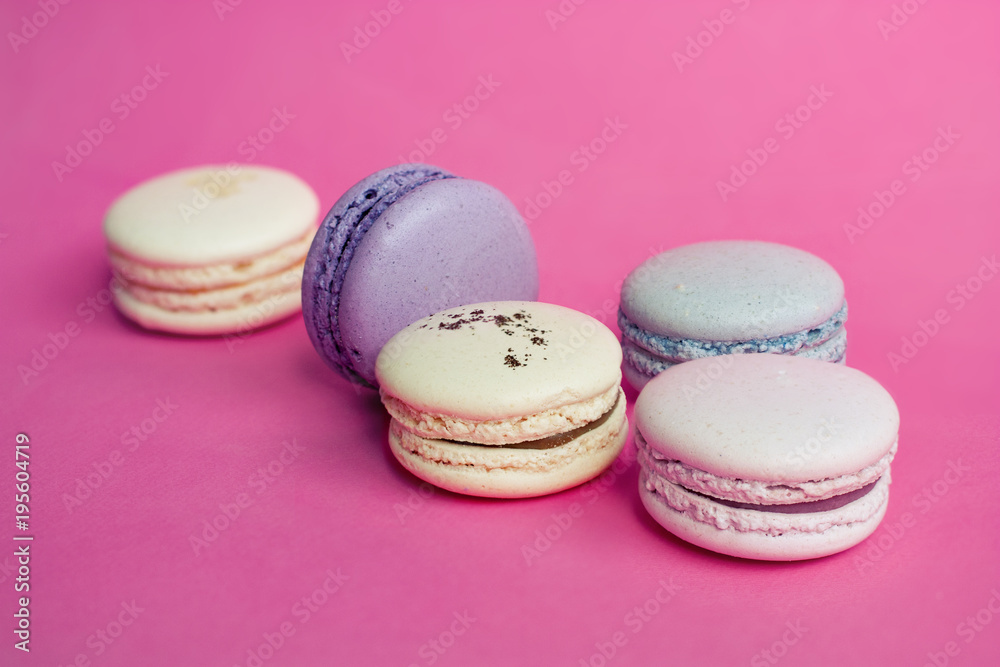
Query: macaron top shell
x=731, y=291
x=767, y=417
x=211, y=215
x=500, y=360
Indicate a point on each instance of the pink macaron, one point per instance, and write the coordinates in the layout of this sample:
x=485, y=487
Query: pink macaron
x=765, y=456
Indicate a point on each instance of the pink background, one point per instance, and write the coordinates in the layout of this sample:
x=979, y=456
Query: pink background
x=903, y=597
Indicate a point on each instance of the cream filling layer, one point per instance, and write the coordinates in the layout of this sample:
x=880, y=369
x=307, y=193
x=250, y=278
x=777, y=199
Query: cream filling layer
x=502, y=431
x=650, y=364
x=704, y=510
x=181, y=278
x=756, y=491
x=287, y=282
x=448, y=453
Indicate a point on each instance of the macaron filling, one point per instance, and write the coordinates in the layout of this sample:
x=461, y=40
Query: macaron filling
x=552, y=441
x=257, y=291
x=755, y=491
x=339, y=235
x=707, y=510
x=204, y=277
x=570, y=447
x=502, y=431
x=827, y=504
x=676, y=350
x=648, y=364
x=759, y=506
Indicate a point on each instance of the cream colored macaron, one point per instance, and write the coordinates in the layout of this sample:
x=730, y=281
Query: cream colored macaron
x=211, y=250
x=504, y=399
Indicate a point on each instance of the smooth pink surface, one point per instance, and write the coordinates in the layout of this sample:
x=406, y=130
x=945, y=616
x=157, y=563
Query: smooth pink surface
x=903, y=597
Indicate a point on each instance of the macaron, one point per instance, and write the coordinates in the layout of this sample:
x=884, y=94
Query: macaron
x=764, y=456
x=211, y=250
x=729, y=297
x=505, y=399
x=404, y=243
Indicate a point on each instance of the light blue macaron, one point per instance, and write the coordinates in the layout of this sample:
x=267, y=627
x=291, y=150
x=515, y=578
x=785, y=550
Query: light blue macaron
x=729, y=297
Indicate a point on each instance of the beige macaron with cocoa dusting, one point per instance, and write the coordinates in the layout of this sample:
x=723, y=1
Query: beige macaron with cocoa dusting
x=504, y=399
x=211, y=250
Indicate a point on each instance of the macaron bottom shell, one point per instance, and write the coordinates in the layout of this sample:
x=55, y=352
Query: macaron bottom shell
x=789, y=545
x=511, y=471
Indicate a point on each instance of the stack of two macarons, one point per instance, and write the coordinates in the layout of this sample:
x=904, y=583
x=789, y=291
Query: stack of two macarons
x=423, y=284
x=750, y=442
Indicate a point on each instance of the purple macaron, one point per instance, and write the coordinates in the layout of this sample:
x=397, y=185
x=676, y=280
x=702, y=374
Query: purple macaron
x=404, y=243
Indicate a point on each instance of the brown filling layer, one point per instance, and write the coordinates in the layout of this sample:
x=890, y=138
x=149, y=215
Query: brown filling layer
x=836, y=502
x=557, y=440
